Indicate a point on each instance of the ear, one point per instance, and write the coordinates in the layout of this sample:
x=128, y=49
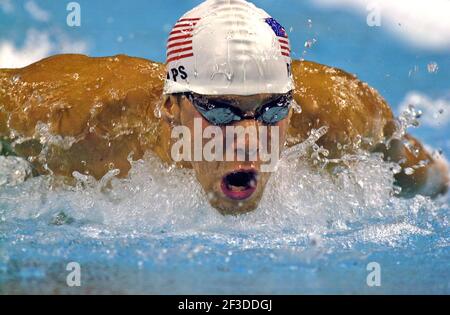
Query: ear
x=170, y=109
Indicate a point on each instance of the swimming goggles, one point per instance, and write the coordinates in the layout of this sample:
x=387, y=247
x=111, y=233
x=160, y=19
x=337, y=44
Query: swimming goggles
x=222, y=112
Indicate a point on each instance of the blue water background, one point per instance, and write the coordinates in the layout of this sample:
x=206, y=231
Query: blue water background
x=126, y=262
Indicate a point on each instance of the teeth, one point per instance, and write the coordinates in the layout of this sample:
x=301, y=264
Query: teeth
x=236, y=188
x=243, y=182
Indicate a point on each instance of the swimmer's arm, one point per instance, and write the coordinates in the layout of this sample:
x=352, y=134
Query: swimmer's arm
x=103, y=106
x=421, y=172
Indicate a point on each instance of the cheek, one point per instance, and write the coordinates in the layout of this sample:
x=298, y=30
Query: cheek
x=264, y=177
x=207, y=176
x=188, y=115
x=280, y=136
x=283, y=125
x=190, y=118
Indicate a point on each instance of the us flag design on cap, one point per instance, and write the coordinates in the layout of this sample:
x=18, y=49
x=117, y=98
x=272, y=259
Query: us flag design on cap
x=281, y=35
x=179, y=44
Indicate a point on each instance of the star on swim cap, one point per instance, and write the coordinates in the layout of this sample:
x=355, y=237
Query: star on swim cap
x=228, y=47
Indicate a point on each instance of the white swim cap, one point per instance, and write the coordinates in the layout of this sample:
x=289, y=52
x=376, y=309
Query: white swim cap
x=228, y=47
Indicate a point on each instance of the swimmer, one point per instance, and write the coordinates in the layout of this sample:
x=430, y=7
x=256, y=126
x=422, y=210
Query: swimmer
x=228, y=64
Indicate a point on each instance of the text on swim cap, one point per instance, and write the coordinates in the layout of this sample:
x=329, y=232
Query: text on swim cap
x=174, y=73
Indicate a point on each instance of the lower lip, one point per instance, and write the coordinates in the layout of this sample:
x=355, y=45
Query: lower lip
x=237, y=195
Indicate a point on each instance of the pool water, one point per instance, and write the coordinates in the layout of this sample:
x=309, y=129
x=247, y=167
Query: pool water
x=154, y=232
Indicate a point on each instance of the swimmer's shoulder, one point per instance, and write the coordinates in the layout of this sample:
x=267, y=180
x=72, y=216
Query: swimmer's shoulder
x=70, y=91
x=106, y=105
x=332, y=97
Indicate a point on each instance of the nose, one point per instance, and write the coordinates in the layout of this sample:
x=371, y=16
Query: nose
x=246, y=142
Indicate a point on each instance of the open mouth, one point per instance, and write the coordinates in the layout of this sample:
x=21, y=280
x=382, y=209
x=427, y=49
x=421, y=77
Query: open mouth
x=239, y=185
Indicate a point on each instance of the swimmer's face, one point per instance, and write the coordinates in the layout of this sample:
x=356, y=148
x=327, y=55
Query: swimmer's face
x=234, y=186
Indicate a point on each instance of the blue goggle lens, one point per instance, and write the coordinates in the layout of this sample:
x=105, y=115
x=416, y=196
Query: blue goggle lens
x=219, y=114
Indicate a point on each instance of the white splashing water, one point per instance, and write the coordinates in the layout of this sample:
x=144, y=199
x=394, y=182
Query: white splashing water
x=158, y=219
x=299, y=198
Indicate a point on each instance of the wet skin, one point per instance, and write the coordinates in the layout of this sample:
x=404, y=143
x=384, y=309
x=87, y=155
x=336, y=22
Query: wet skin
x=216, y=177
x=106, y=106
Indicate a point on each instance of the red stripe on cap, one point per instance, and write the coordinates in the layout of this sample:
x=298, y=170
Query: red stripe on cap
x=188, y=42
x=185, y=30
x=285, y=48
x=283, y=41
x=171, y=39
x=192, y=19
x=180, y=57
x=169, y=53
x=285, y=54
x=184, y=25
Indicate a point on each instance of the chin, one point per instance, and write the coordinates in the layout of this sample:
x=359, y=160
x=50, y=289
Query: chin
x=232, y=207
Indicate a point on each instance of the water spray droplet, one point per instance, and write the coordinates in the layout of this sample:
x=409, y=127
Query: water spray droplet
x=310, y=42
x=432, y=67
x=16, y=78
x=296, y=107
